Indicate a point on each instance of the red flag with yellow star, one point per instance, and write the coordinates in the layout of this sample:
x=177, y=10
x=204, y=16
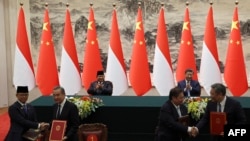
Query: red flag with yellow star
x=235, y=71
x=47, y=74
x=139, y=74
x=186, y=58
x=92, y=58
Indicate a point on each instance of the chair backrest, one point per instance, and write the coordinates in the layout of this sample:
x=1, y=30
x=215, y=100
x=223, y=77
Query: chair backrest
x=93, y=131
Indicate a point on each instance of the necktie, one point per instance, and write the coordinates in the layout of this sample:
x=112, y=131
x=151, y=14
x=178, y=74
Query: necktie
x=58, y=111
x=178, y=110
x=219, y=107
x=25, y=108
x=188, y=93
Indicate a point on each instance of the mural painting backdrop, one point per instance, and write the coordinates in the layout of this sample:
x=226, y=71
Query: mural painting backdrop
x=127, y=12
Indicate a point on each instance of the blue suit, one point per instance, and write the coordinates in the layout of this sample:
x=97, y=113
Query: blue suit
x=196, y=88
x=168, y=127
x=106, y=89
x=234, y=114
x=20, y=121
x=70, y=114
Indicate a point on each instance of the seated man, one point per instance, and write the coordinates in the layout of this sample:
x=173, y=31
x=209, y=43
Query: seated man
x=100, y=86
x=189, y=86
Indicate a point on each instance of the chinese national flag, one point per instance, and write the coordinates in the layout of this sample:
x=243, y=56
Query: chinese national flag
x=235, y=70
x=139, y=74
x=186, y=58
x=163, y=73
x=47, y=74
x=92, y=58
x=23, y=66
x=70, y=77
x=116, y=70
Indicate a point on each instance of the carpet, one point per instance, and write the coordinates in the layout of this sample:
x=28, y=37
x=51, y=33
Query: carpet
x=4, y=125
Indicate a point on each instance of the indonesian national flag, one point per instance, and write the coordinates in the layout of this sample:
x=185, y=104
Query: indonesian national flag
x=92, y=59
x=235, y=70
x=139, y=74
x=186, y=58
x=23, y=65
x=209, y=69
x=162, y=72
x=70, y=77
x=47, y=74
x=116, y=72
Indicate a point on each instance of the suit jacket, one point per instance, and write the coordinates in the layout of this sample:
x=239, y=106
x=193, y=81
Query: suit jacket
x=107, y=88
x=70, y=114
x=196, y=88
x=20, y=121
x=168, y=126
x=234, y=115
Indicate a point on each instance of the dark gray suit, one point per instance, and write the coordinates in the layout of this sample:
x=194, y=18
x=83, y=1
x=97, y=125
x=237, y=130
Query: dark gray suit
x=196, y=88
x=70, y=114
x=168, y=127
x=20, y=121
x=234, y=113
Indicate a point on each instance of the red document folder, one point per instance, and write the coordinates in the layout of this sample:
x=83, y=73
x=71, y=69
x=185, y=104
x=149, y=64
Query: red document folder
x=57, y=130
x=217, y=122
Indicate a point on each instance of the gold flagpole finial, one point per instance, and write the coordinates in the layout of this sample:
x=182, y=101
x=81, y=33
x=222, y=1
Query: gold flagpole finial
x=139, y=4
x=187, y=3
x=67, y=5
x=162, y=4
x=211, y=3
x=236, y=2
x=114, y=5
x=46, y=4
x=21, y=4
x=91, y=4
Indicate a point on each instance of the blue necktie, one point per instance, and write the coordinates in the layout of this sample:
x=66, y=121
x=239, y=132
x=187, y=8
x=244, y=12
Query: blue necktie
x=25, y=108
x=58, y=111
x=219, y=107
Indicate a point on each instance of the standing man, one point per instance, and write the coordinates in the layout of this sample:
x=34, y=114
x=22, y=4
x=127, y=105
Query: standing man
x=100, y=86
x=232, y=108
x=189, y=86
x=65, y=110
x=22, y=116
x=169, y=126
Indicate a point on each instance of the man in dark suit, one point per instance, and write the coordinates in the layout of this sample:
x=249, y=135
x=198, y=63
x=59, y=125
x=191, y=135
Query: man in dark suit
x=169, y=127
x=22, y=116
x=189, y=86
x=100, y=86
x=234, y=112
x=68, y=112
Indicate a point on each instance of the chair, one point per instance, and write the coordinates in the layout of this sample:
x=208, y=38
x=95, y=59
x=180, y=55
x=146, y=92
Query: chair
x=93, y=131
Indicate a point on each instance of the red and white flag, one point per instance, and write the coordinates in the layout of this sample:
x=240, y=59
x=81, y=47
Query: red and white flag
x=47, y=74
x=92, y=58
x=139, y=74
x=209, y=69
x=23, y=66
x=70, y=77
x=235, y=70
x=186, y=58
x=116, y=69
x=162, y=72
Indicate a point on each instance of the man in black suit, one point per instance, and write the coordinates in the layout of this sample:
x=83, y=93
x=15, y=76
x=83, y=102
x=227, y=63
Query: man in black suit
x=169, y=127
x=100, y=86
x=68, y=112
x=189, y=86
x=22, y=116
x=233, y=109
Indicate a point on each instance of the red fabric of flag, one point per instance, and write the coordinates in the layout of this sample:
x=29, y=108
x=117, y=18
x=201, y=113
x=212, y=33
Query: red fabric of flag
x=47, y=74
x=235, y=69
x=139, y=74
x=92, y=58
x=186, y=58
